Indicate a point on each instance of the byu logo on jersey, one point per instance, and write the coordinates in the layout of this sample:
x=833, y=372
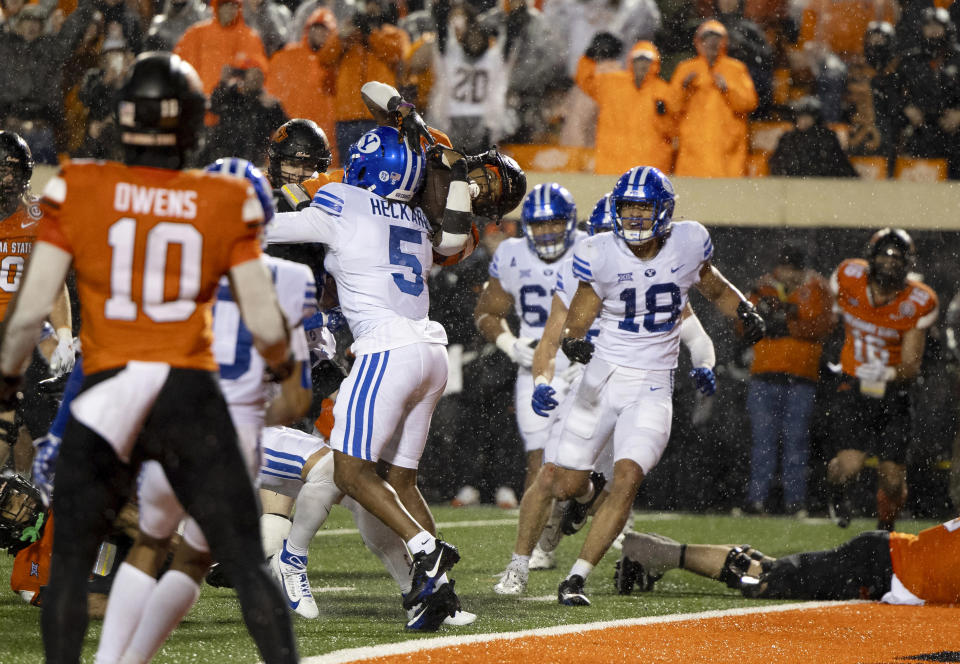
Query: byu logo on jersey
x=649, y=272
x=368, y=143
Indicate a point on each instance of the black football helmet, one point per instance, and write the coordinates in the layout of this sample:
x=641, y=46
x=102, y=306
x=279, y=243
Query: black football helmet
x=298, y=144
x=160, y=108
x=502, y=183
x=20, y=506
x=16, y=169
x=892, y=242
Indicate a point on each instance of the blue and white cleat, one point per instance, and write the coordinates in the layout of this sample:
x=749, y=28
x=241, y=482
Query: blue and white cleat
x=291, y=572
x=427, y=569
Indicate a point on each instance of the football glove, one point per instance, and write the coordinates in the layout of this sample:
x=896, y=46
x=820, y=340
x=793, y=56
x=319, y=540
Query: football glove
x=753, y=326
x=332, y=319
x=705, y=380
x=542, y=400
x=64, y=356
x=523, y=350
x=47, y=449
x=875, y=372
x=571, y=373
x=578, y=350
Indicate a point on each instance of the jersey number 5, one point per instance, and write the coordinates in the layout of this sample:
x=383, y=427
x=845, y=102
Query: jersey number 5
x=399, y=257
x=122, y=238
x=660, y=299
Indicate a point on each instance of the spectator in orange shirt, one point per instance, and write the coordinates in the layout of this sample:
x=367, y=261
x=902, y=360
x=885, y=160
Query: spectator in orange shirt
x=713, y=94
x=796, y=304
x=303, y=76
x=369, y=50
x=838, y=25
x=633, y=121
x=895, y=568
x=212, y=44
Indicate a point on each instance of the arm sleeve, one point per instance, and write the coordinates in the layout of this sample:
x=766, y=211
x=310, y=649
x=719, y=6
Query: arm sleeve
x=698, y=342
x=311, y=224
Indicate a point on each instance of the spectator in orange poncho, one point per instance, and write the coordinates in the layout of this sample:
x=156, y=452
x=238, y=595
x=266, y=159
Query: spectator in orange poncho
x=634, y=125
x=838, y=25
x=370, y=50
x=713, y=94
x=303, y=76
x=212, y=44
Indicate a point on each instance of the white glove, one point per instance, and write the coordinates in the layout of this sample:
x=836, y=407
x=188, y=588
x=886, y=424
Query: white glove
x=523, y=352
x=571, y=373
x=876, y=372
x=64, y=356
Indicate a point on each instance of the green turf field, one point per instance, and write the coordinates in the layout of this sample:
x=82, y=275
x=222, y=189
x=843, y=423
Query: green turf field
x=362, y=606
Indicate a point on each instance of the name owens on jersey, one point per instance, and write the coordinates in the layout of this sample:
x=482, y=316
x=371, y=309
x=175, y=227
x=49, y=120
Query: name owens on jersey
x=874, y=334
x=17, y=235
x=379, y=253
x=642, y=299
x=149, y=247
x=530, y=280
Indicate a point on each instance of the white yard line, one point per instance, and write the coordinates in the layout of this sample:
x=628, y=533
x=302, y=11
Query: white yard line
x=416, y=645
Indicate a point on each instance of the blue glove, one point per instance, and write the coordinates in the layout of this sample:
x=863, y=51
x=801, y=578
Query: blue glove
x=332, y=319
x=47, y=449
x=543, y=401
x=705, y=380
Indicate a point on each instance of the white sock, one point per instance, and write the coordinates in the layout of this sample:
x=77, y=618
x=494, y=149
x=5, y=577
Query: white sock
x=169, y=603
x=274, y=528
x=580, y=568
x=317, y=496
x=520, y=563
x=422, y=541
x=294, y=550
x=382, y=542
x=130, y=592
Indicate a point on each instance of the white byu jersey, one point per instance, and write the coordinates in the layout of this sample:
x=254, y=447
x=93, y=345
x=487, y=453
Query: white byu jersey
x=241, y=366
x=468, y=87
x=529, y=280
x=642, y=299
x=567, y=283
x=379, y=253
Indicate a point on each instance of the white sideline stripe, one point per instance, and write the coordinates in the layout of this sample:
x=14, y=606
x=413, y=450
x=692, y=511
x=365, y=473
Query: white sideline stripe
x=416, y=645
x=332, y=589
x=540, y=598
x=487, y=523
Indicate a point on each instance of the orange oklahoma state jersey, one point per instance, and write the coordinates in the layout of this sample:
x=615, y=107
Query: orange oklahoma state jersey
x=875, y=334
x=149, y=246
x=17, y=234
x=926, y=564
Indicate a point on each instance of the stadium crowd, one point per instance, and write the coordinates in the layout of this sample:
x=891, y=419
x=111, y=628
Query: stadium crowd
x=855, y=79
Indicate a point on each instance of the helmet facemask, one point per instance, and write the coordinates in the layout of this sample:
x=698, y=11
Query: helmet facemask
x=20, y=504
x=639, y=221
x=889, y=266
x=549, y=238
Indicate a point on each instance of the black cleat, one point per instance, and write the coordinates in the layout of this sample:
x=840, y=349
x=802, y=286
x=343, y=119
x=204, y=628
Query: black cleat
x=427, y=568
x=839, y=507
x=217, y=578
x=430, y=614
x=575, y=513
x=570, y=592
x=629, y=573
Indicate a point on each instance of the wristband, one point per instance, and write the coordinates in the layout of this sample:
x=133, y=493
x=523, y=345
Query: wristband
x=540, y=380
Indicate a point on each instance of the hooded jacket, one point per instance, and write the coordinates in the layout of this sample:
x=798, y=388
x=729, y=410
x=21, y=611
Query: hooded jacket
x=208, y=46
x=712, y=124
x=634, y=125
x=304, y=80
x=379, y=59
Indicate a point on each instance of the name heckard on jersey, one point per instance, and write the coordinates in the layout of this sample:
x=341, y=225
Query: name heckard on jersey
x=385, y=208
x=181, y=203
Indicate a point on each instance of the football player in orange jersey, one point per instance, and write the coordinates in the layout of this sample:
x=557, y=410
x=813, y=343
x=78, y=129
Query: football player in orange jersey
x=886, y=314
x=896, y=568
x=149, y=242
x=19, y=220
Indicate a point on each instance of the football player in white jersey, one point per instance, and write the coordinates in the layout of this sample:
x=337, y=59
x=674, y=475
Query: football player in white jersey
x=636, y=281
x=523, y=274
x=142, y=611
x=567, y=517
x=379, y=250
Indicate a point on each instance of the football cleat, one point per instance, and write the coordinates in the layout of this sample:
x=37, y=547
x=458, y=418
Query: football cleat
x=570, y=592
x=540, y=559
x=629, y=573
x=217, y=578
x=427, y=568
x=513, y=582
x=506, y=498
x=428, y=615
x=291, y=571
x=575, y=513
x=839, y=508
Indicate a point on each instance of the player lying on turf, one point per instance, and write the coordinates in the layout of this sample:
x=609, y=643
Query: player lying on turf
x=893, y=567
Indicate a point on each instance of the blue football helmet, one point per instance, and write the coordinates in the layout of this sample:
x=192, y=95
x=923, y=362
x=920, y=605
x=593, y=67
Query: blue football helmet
x=643, y=184
x=383, y=163
x=601, y=219
x=548, y=202
x=241, y=168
